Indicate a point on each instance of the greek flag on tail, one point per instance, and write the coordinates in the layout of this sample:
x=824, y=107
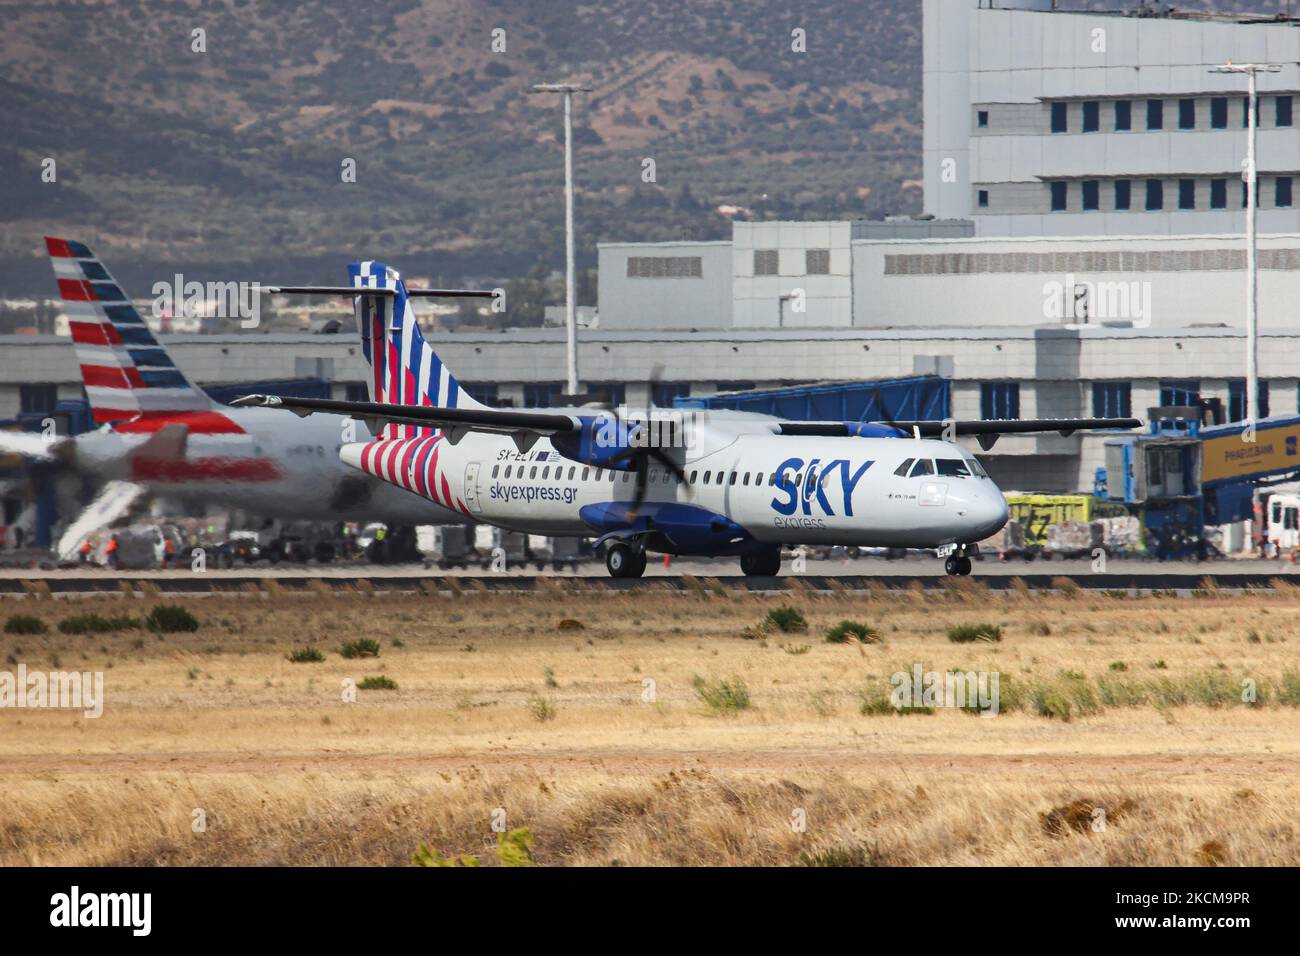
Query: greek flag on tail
x=126, y=372
x=404, y=370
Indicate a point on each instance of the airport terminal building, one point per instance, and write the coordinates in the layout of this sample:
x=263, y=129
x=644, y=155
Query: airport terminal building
x=1081, y=255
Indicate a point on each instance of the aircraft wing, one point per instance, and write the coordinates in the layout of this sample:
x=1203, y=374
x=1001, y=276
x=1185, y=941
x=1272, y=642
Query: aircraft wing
x=455, y=422
x=986, y=432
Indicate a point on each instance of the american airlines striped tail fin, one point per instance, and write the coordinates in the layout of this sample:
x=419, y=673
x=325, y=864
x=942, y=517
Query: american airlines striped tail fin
x=404, y=369
x=125, y=371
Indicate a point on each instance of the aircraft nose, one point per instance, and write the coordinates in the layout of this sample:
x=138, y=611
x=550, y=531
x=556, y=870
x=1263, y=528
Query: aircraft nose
x=988, y=514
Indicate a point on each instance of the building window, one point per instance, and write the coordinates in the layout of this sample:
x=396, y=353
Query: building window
x=1123, y=194
x=1060, y=118
x=1091, y=116
x=356, y=392
x=984, y=198
x=1112, y=400
x=1245, y=194
x=1219, y=112
x=1180, y=394
x=984, y=119
x=541, y=394
x=1218, y=194
x=1091, y=195
x=37, y=399
x=611, y=393
x=1187, y=114
x=1187, y=194
x=1155, y=114
x=486, y=392
x=1282, y=192
x=1123, y=116
x=665, y=267
x=1284, y=104
x=1237, y=400
x=999, y=400
x=1155, y=195
x=817, y=262
x=1245, y=111
x=1060, y=193
x=767, y=262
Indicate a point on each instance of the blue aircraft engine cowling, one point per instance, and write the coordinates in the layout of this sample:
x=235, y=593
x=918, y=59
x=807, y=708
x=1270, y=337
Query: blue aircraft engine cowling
x=873, y=430
x=687, y=529
x=600, y=438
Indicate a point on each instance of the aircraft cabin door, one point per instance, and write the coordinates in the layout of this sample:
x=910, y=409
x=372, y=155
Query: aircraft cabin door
x=471, y=488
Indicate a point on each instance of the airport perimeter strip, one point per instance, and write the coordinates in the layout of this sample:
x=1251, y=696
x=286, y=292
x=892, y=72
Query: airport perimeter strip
x=225, y=583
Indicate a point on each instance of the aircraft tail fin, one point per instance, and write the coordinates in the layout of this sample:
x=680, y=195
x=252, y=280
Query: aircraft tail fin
x=125, y=370
x=404, y=369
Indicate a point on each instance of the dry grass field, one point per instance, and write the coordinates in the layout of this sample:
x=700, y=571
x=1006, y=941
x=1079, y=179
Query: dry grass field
x=652, y=727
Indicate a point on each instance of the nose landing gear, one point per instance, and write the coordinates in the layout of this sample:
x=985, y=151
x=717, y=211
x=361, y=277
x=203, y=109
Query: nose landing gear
x=958, y=563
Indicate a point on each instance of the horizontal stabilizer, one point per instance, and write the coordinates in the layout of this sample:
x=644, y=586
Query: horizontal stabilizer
x=351, y=291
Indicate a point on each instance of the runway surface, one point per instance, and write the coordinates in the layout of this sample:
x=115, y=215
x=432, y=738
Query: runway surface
x=1128, y=576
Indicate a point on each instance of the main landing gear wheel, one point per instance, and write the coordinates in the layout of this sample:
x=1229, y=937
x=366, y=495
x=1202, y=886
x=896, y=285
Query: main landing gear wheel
x=624, y=561
x=957, y=565
x=763, y=563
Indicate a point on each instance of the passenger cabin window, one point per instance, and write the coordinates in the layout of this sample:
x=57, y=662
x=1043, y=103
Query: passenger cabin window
x=508, y=471
x=721, y=475
x=953, y=468
x=694, y=475
x=585, y=472
x=901, y=470
x=533, y=472
x=495, y=469
x=707, y=474
x=734, y=476
x=923, y=467
x=546, y=472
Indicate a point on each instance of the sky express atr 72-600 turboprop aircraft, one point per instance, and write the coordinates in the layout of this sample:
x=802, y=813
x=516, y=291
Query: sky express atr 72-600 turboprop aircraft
x=715, y=484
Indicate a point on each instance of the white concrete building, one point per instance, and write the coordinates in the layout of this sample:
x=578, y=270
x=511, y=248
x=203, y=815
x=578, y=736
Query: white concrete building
x=1041, y=122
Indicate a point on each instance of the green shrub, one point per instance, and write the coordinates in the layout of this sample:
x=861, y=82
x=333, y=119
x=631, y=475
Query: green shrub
x=361, y=647
x=426, y=855
x=1288, y=689
x=722, y=696
x=846, y=631
x=875, y=702
x=1050, y=702
x=788, y=620
x=25, y=624
x=515, y=848
x=171, y=619
x=969, y=633
x=378, y=683
x=96, y=624
x=541, y=709
x=305, y=655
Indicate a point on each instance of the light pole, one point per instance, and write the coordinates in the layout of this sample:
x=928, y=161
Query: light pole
x=1252, y=228
x=570, y=294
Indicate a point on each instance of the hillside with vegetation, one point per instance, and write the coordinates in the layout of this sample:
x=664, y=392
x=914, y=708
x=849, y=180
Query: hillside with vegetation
x=227, y=162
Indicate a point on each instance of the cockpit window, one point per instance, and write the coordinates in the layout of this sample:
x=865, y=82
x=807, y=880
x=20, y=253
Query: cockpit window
x=953, y=468
x=901, y=470
x=976, y=468
x=923, y=467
